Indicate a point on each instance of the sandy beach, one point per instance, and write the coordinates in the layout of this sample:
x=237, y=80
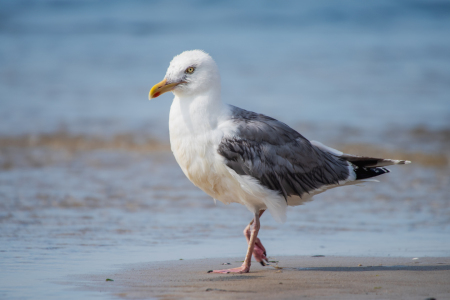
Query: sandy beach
x=293, y=277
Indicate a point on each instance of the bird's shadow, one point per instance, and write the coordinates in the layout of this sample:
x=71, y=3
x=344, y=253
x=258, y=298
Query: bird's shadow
x=377, y=268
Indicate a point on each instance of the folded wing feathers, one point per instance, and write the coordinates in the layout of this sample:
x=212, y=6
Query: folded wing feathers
x=284, y=161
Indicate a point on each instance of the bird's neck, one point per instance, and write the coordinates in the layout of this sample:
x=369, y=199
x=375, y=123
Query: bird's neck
x=199, y=113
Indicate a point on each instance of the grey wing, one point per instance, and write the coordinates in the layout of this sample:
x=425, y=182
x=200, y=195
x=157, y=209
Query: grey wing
x=278, y=156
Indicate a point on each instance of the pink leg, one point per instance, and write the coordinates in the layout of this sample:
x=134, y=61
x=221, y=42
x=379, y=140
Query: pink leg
x=245, y=268
x=259, y=252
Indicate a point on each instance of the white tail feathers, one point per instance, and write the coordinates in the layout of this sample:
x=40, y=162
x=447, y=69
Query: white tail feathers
x=361, y=161
x=389, y=162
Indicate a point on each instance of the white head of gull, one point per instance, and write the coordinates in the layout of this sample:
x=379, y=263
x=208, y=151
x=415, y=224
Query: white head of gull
x=235, y=155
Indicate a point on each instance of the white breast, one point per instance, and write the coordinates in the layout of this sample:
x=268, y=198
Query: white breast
x=194, y=141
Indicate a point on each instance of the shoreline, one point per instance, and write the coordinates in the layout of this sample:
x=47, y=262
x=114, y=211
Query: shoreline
x=293, y=277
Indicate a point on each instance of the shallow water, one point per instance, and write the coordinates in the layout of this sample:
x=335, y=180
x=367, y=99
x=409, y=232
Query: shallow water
x=86, y=177
x=89, y=65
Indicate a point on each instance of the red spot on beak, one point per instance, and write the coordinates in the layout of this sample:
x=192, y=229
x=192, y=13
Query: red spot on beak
x=156, y=94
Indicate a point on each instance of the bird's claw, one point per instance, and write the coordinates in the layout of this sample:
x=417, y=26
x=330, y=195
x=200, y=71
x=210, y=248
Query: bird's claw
x=242, y=269
x=259, y=253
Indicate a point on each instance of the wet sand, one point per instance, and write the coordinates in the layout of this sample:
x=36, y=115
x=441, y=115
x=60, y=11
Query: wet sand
x=78, y=204
x=293, y=277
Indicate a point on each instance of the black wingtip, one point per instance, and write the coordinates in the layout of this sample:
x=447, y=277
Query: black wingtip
x=364, y=173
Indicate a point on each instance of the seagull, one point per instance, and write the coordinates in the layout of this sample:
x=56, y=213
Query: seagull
x=235, y=155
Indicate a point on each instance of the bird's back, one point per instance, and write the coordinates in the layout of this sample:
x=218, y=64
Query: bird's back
x=279, y=157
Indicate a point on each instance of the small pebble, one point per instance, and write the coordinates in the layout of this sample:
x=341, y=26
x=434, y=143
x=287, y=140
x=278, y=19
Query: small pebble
x=226, y=264
x=280, y=283
x=415, y=258
x=210, y=271
x=360, y=265
x=279, y=271
x=277, y=267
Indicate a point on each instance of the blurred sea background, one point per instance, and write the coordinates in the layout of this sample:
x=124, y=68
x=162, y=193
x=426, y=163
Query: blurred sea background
x=87, y=179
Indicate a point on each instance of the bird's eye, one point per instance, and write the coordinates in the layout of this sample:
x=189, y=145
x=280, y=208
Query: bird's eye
x=190, y=70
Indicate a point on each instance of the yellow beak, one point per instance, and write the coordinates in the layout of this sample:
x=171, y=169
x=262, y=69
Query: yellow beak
x=161, y=88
